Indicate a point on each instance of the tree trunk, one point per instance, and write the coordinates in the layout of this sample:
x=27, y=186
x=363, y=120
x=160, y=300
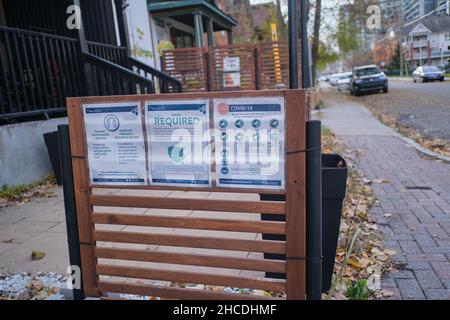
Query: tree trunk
x=316, y=39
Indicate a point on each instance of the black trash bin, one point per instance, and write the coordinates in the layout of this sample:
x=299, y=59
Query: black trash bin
x=334, y=184
x=52, y=142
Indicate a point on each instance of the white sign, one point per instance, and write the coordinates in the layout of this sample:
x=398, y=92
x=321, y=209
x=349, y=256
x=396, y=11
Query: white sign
x=231, y=64
x=178, y=138
x=249, y=143
x=231, y=72
x=115, y=139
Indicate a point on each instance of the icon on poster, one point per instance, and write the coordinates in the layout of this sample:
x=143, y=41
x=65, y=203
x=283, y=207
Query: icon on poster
x=223, y=124
x=274, y=123
x=256, y=123
x=239, y=123
x=111, y=123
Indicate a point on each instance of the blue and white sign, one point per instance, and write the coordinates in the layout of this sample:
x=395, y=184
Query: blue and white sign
x=115, y=139
x=179, y=143
x=249, y=143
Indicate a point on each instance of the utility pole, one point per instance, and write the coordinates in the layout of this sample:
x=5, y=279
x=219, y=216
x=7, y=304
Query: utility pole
x=401, y=37
x=293, y=45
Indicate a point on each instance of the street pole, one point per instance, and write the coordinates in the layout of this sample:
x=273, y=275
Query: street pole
x=306, y=76
x=293, y=45
x=401, y=38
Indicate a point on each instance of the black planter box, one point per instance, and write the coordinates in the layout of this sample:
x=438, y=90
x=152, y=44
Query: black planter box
x=334, y=184
x=52, y=143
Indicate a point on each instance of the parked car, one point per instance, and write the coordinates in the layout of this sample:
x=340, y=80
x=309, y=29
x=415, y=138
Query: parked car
x=368, y=79
x=343, y=82
x=428, y=73
x=334, y=78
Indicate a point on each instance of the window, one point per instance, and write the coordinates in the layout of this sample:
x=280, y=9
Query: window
x=447, y=37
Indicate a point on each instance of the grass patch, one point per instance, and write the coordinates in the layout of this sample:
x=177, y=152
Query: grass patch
x=18, y=193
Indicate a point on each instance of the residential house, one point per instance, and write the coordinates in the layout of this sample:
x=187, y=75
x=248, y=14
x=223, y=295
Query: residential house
x=184, y=23
x=427, y=42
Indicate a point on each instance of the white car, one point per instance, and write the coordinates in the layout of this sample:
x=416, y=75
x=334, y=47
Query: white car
x=343, y=82
x=334, y=78
x=428, y=73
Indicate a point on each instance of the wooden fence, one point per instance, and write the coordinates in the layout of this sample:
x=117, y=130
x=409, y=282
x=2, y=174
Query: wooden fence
x=100, y=277
x=264, y=66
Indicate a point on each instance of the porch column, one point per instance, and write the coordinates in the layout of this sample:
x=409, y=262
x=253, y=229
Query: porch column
x=210, y=32
x=230, y=36
x=199, y=32
x=122, y=24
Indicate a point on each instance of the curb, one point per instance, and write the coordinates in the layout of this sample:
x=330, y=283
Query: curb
x=424, y=150
x=409, y=79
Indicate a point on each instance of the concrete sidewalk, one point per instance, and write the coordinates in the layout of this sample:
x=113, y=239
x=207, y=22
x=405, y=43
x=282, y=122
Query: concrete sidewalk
x=417, y=196
x=40, y=225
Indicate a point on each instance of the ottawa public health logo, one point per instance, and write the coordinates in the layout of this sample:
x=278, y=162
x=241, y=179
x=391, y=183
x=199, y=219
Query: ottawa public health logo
x=111, y=123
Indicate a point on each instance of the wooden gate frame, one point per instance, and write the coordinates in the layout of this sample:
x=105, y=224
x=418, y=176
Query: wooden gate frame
x=294, y=208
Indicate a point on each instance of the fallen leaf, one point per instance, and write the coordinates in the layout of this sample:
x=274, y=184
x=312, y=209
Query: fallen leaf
x=382, y=257
x=387, y=215
x=37, y=255
x=387, y=293
x=355, y=263
x=390, y=252
x=381, y=181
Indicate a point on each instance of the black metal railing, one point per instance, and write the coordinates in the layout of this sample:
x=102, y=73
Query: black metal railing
x=112, y=79
x=37, y=72
x=117, y=55
x=166, y=83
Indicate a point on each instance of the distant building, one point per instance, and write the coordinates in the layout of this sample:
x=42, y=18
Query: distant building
x=414, y=9
x=428, y=41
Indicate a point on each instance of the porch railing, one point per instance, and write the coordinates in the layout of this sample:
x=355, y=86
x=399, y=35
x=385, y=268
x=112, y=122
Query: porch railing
x=115, y=54
x=38, y=71
x=113, y=79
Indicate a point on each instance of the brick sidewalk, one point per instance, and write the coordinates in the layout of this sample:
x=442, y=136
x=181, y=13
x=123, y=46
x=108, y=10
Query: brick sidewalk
x=418, y=198
x=414, y=203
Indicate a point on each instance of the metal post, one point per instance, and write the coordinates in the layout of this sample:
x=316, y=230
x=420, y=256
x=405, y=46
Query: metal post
x=199, y=33
x=86, y=78
x=293, y=45
x=121, y=6
x=306, y=76
x=230, y=37
x=210, y=32
x=401, y=39
x=70, y=205
x=314, y=210
x=257, y=73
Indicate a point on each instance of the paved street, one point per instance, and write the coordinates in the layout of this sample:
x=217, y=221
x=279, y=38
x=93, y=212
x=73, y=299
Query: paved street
x=424, y=107
x=414, y=206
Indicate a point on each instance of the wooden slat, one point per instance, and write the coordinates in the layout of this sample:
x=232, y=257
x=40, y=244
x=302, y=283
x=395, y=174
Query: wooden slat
x=194, y=260
x=192, y=241
x=192, y=277
x=190, y=223
x=213, y=189
x=188, y=204
x=82, y=196
x=173, y=293
x=296, y=193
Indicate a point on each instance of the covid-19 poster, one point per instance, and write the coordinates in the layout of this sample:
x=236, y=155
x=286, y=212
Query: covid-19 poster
x=115, y=140
x=249, y=142
x=178, y=139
